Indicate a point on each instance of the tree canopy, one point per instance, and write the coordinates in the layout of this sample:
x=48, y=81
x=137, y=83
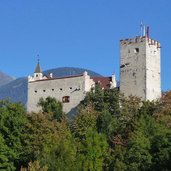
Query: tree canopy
x=109, y=132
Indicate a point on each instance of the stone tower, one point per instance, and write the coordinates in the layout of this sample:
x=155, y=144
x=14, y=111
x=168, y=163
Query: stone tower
x=140, y=67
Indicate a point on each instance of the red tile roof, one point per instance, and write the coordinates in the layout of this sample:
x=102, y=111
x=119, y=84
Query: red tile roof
x=104, y=82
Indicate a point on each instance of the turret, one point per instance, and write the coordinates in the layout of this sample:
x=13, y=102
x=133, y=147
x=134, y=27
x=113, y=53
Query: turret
x=38, y=75
x=38, y=72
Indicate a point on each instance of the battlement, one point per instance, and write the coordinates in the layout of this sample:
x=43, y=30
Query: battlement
x=133, y=40
x=139, y=39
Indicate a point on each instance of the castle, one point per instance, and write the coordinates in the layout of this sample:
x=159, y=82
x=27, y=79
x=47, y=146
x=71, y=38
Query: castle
x=139, y=76
x=69, y=90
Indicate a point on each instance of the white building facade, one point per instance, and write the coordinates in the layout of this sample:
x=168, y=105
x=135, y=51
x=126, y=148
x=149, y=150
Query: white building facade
x=68, y=90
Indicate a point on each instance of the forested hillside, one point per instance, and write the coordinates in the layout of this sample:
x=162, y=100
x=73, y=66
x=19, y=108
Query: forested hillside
x=109, y=132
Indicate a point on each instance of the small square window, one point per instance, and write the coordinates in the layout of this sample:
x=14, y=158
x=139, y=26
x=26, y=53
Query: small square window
x=66, y=99
x=35, y=91
x=44, y=90
x=70, y=88
x=136, y=50
x=52, y=89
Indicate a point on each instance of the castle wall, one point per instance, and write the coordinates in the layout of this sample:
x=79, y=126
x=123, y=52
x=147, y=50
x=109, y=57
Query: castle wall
x=73, y=87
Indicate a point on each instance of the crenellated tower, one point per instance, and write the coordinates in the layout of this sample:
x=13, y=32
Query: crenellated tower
x=140, y=67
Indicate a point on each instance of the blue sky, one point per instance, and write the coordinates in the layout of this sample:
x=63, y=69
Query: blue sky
x=78, y=33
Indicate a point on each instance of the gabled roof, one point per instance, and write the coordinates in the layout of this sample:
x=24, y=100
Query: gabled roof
x=38, y=69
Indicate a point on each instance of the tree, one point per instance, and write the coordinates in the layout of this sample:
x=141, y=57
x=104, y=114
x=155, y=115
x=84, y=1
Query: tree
x=161, y=148
x=34, y=166
x=51, y=105
x=49, y=142
x=84, y=119
x=106, y=123
x=7, y=156
x=61, y=155
x=94, y=98
x=107, y=104
x=39, y=130
x=92, y=151
x=138, y=157
x=12, y=125
x=103, y=99
x=162, y=112
x=91, y=145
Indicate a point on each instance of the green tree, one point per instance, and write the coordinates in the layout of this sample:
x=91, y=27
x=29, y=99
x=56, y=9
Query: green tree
x=61, y=156
x=84, y=119
x=106, y=123
x=103, y=99
x=12, y=125
x=7, y=156
x=51, y=105
x=161, y=148
x=163, y=109
x=107, y=104
x=94, y=98
x=92, y=151
x=138, y=155
x=50, y=142
x=39, y=130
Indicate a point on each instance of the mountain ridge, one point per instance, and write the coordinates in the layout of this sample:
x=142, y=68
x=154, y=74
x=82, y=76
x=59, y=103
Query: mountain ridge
x=5, y=79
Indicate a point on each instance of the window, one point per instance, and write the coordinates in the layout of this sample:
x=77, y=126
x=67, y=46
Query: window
x=66, y=99
x=136, y=50
x=35, y=91
x=52, y=89
x=61, y=89
x=70, y=88
x=36, y=75
x=44, y=90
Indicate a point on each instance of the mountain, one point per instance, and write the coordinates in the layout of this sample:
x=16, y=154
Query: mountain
x=68, y=71
x=16, y=90
x=5, y=79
